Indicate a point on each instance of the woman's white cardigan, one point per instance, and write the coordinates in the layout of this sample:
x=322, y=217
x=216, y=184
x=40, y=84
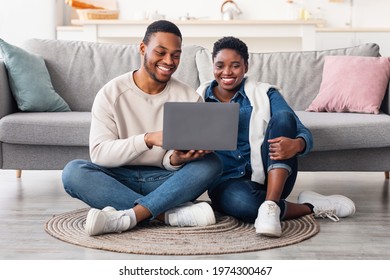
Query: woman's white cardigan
x=261, y=114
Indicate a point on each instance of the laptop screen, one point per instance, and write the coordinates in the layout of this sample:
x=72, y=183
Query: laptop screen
x=200, y=126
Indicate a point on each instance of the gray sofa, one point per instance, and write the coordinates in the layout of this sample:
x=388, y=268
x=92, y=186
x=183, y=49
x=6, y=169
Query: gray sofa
x=48, y=140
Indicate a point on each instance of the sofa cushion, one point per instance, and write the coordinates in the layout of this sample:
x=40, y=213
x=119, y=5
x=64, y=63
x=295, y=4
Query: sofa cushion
x=80, y=69
x=187, y=72
x=57, y=128
x=30, y=81
x=7, y=101
x=352, y=84
x=205, y=65
x=345, y=131
x=298, y=74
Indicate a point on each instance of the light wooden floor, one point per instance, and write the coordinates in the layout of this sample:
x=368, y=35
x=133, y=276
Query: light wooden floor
x=27, y=203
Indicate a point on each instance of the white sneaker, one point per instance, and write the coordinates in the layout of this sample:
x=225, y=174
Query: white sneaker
x=268, y=219
x=331, y=206
x=191, y=215
x=108, y=208
x=106, y=221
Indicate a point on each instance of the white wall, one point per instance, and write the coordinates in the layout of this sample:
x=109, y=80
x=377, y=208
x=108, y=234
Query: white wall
x=374, y=13
x=366, y=13
x=21, y=19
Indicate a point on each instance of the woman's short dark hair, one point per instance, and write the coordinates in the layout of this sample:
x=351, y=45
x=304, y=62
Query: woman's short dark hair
x=232, y=43
x=161, y=26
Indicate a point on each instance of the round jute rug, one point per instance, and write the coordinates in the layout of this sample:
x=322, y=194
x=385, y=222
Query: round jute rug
x=227, y=236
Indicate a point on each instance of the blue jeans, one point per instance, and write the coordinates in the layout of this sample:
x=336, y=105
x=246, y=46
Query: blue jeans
x=154, y=188
x=241, y=197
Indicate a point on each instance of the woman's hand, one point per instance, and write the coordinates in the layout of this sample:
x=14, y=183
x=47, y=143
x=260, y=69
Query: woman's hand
x=282, y=148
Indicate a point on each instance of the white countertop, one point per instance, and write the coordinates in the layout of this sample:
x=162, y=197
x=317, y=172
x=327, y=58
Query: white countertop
x=79, y=23
x=353, y=29
x=200, y=22
x=317, y=23
x=301, y=33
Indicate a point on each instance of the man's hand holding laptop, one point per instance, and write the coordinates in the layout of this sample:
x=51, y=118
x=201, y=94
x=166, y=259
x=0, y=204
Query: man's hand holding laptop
x=178, y=157
x=181, y=157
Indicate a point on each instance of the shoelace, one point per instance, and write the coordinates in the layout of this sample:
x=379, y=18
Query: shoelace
x=272, y=209
x=326, y=214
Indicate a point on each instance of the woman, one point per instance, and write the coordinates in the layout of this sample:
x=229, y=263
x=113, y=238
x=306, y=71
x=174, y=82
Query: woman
x=260, y=174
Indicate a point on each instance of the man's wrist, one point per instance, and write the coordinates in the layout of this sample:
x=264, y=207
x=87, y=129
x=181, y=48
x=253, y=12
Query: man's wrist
x=147, y=139
x=173, y=161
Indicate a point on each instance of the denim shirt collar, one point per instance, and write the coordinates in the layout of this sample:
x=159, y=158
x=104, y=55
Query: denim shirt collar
x=209, y=95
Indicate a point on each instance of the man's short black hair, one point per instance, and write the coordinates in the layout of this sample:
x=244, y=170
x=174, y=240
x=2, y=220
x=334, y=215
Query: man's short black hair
x=231, y=43
x=161, y=26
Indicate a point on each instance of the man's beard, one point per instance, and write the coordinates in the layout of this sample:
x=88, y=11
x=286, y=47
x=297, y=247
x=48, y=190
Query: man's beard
x=152, y=73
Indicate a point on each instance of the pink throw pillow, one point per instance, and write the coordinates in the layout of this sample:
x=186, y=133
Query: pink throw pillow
x=352, y=84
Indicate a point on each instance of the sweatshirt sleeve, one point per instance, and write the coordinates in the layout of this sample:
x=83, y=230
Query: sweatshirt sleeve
x=106, y=148
x=167, y=162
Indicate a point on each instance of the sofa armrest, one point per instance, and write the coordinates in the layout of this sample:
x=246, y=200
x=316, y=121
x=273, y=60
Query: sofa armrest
x=385, y=107
x=7, y=102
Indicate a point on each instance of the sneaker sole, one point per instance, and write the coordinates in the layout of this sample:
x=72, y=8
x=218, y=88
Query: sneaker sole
x=302, y=198
x=268, y=231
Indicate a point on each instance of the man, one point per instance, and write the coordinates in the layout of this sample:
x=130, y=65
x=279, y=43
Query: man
x=131, y=178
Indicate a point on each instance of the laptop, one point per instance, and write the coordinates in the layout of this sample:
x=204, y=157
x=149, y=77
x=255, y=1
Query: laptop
x=200, y=126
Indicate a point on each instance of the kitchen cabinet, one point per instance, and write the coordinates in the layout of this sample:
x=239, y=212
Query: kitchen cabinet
x=260, y=35
x=330, y=38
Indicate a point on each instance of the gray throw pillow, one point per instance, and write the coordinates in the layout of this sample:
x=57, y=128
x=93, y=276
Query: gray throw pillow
x=30, y=81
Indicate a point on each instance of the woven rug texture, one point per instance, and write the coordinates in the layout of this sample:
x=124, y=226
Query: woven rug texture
x=227, y=236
